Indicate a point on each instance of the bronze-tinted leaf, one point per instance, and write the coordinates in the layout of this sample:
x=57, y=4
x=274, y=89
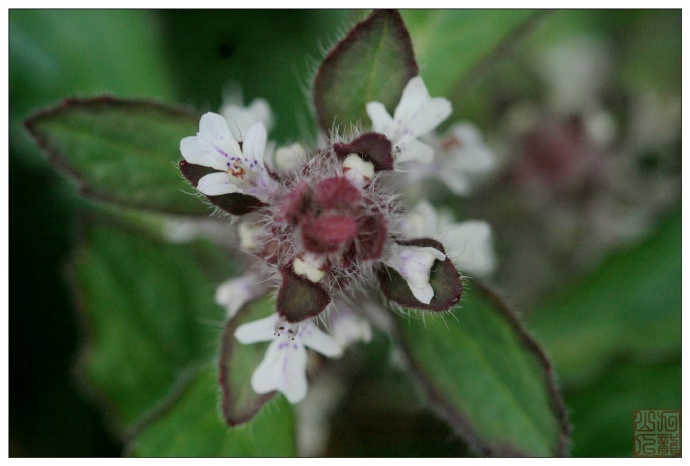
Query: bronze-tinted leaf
x=444, y=279
x=299, y=298
x=373, y=62
x=237, y=364
x=371, y=147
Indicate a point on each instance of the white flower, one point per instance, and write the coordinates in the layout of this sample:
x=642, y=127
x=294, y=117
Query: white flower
x=463, y=158
x=414, y=263
x=240, y=118
x=284, y=366
x=469, y=244
x=236, y=292
x=240, y=170
x=416, y=115
x=357, y=170
x=290, y=158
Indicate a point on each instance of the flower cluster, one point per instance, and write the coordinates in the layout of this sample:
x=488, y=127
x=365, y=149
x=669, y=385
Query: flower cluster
x=326, y=225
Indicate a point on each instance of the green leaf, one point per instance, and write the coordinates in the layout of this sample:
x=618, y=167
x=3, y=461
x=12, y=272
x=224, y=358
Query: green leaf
x=121, y=151
x=67, y=53
x=237, y=364
x=149, y=314
x=373, y=62
x=451, y=45
x=630, y=305
x=192, y=426
x=484, y=374
x=602, y=411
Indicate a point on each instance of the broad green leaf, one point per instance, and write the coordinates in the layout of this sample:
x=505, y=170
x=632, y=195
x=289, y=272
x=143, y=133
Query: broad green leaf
x=630, y=305
x=149, y=314
x=68, y=53
x=484, y=374
x=450, y=45
x=602, y=411
x=121, y=151
x=193, y=426
x=373, y=62
x=238, y=362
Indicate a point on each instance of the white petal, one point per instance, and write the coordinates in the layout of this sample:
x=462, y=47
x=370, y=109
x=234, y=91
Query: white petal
x=195, y=152
x=422, y=222
x=414, y=264
x=213, y=146
x=319, y=341
x=417, y=113
x=429, y=116
x=414, y=97
x=470, y=245
x=456, y=182
x=254, y=144
x=240, y=118
x=235, y=293
x=215, y=184
x=382, y=121
x=283, y=369
x=411, y=149
x=288, y=159
x=357, y=170
x=473, y=156
x=259, y=330
x=423, y=294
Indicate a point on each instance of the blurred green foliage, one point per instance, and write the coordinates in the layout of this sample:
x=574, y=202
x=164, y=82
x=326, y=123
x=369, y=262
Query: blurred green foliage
x=189, y=57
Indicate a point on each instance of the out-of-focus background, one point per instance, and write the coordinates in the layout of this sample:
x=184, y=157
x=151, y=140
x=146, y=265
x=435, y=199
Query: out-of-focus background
x=581, y=107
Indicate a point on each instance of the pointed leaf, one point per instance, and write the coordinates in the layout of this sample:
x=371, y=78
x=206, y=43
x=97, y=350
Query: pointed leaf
x=234, y=203
x=299, y=298
x=373, y=62
x=120, y=151
x=237, y=364
x=192, y=427
x=443, y=277
x=149, y=314
x=482, y=372
x=630, y=305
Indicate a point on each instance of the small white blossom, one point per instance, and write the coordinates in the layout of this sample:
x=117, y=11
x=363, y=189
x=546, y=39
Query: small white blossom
x=357, y=170
x=290, y=158
x=284, y=365
x=240, y=170
x=414, y=263
x=464, y=158
x=417, y=114
x=236, y=292
x=469, y=244
x=240, y=118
